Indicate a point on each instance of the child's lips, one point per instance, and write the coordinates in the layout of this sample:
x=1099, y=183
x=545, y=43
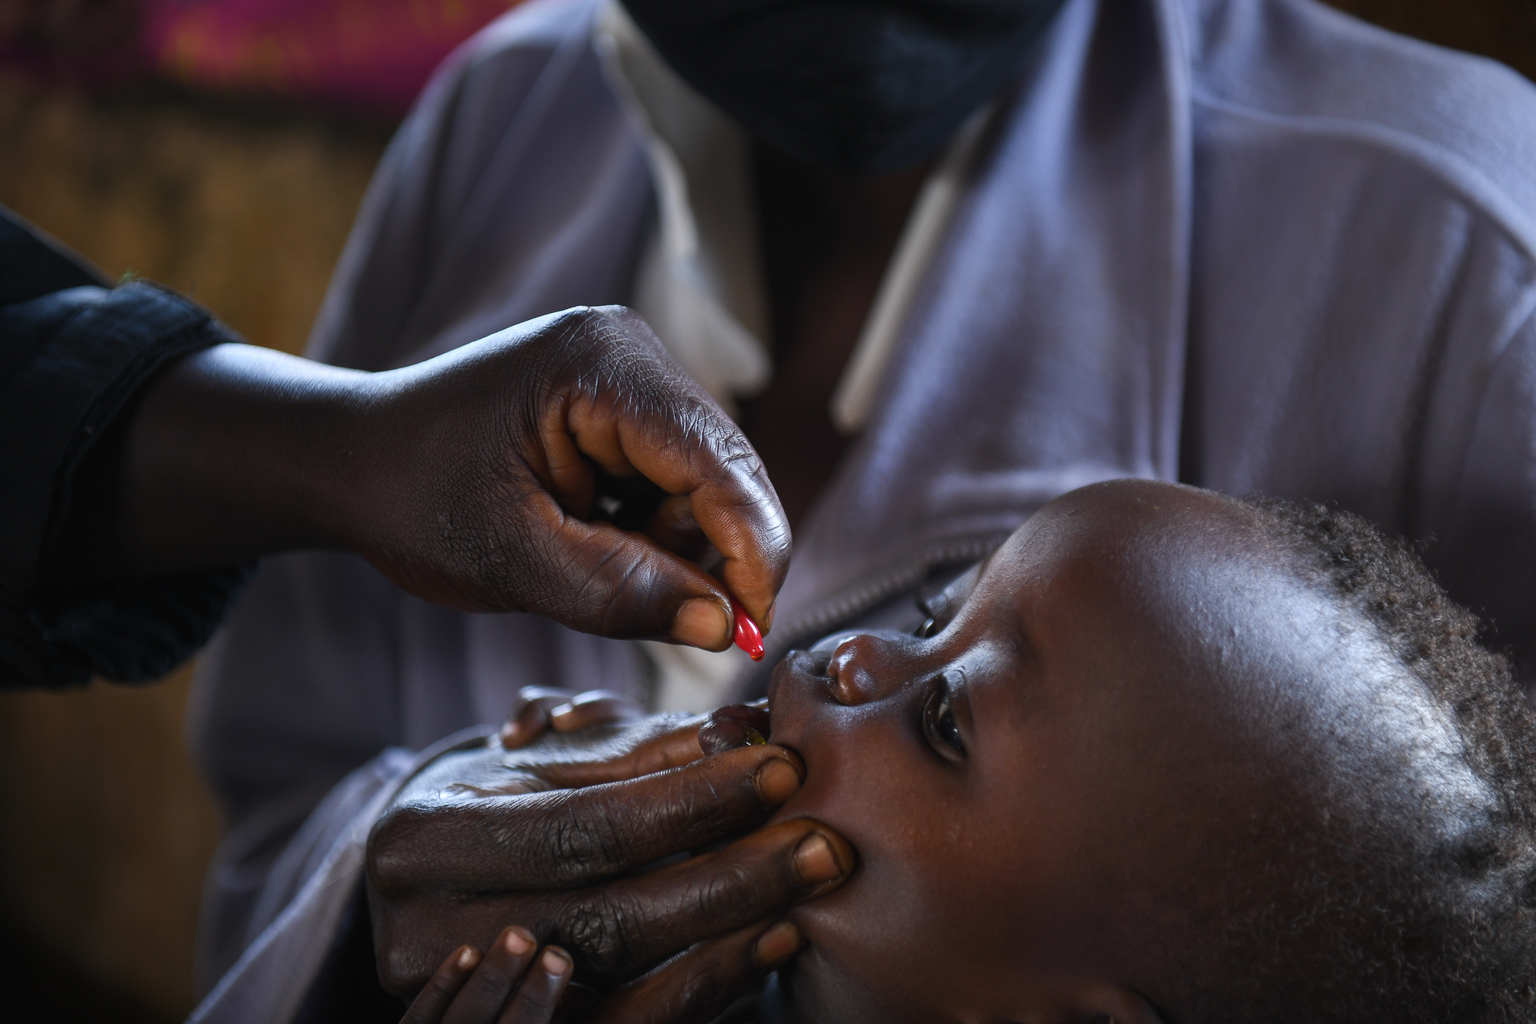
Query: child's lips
x=788, y=675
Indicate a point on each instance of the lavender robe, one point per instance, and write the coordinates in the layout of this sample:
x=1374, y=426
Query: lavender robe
x=1249, y=244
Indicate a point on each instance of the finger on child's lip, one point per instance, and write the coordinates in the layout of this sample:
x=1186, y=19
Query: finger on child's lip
x=729, y=728
x=779, y=778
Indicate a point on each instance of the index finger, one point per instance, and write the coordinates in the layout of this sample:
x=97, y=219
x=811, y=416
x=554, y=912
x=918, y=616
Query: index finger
x=681, y=440
x=572, y=837
x=580, y=767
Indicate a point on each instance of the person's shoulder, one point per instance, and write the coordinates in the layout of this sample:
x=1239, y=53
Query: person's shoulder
x=534, y=26
x=540, y=49
x=1305, y=72
x=521, y=41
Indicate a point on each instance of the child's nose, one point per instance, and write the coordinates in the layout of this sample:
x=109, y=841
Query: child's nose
x=855, y=670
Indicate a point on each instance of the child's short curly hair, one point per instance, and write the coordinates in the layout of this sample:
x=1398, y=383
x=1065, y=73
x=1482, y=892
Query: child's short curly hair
x=1394, y=930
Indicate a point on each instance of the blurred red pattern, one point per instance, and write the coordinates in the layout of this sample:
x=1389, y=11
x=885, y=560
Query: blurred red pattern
x=363, y=54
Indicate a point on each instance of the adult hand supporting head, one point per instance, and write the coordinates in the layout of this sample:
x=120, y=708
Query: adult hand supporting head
x=470, y=479
x=553, y=838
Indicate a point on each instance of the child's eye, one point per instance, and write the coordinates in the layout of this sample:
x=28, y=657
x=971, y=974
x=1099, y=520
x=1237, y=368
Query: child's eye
x=939, y=723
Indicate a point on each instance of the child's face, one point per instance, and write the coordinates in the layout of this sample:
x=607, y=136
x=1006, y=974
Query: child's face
x=1027, y=788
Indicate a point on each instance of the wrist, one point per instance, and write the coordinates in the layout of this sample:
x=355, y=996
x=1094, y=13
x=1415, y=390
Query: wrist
x=356, y=495
x=238, y=452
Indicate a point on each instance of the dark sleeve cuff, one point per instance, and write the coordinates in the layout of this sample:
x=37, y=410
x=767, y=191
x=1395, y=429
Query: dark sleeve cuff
x=70, y=363
x=133, y=632
x=32, y=264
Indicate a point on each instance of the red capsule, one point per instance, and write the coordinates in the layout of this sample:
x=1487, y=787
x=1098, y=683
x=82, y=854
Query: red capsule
x=747, y=637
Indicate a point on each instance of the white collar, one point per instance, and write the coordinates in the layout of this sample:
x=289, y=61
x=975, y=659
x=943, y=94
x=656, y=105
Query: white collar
x=700, y=282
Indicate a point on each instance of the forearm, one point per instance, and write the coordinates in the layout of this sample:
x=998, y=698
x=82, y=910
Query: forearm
x=237, y=452
x=77, y=360
x=466, y=479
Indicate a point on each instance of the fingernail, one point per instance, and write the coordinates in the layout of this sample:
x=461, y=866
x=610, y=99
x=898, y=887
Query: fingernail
x=776, y=781
x=517, y=942
x=509, y=733
x=702, y=623
x=467, y=958
x=768, y=619
x=555, y=962
x=777, y=945
x=814, y=860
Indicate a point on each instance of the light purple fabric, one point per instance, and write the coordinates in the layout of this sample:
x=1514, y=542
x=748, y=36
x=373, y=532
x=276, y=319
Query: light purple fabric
x=1249, y=244
x=315, y=883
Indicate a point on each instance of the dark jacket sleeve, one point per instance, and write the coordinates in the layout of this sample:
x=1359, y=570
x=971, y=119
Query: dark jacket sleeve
x=73, y=353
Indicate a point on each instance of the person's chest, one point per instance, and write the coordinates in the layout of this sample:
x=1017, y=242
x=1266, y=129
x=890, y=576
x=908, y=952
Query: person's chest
x=827, y=245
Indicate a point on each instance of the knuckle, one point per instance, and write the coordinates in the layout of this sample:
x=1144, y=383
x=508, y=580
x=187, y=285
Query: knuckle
x=734, y=893
x=397, y=928
x=712, y=797
x=582, y=329
x=389, y=850
x=586, y=843
x=400, y=967
x=601, y=930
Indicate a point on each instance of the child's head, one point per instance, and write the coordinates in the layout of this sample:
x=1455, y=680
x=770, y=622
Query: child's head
x=1175, y=755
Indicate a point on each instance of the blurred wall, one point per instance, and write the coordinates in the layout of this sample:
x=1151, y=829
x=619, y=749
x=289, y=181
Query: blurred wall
x=107, y=829
x=244, y=208
x=1502, y=29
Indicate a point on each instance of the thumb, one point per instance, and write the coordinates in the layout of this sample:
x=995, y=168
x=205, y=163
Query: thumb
x=599, y=579
x=650, y=417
